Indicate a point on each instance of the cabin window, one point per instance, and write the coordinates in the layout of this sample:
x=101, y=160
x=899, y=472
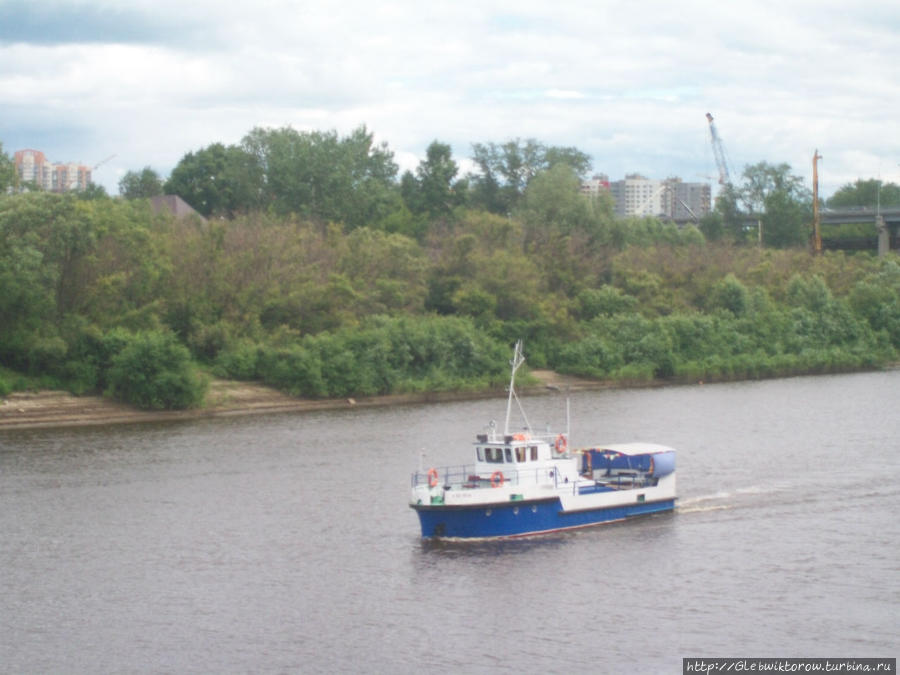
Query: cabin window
x=480, y=452
x=533, y=453
x=520, y=454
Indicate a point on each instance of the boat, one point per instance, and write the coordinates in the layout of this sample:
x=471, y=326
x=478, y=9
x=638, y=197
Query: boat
x=524, y=483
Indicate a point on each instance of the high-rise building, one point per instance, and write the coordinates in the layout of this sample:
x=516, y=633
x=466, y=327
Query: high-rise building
x=597, y=184
x=669, y=199
x=688, y=201
x=33, y=167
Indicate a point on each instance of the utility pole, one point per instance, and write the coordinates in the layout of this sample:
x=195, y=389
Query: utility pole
x=817, y=234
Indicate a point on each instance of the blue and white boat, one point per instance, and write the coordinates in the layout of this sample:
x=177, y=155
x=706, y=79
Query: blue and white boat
x=525, y=483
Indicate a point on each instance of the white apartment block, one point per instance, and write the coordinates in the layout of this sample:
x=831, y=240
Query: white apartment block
x=669, y=199
x=33, y=167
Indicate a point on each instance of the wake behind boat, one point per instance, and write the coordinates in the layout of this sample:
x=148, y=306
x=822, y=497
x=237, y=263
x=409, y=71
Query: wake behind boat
x=528, y=483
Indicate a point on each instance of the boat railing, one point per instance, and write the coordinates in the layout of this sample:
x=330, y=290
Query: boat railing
x=467, y=477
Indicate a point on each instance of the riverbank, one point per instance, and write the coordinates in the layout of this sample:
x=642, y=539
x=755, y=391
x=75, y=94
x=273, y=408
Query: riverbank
x=27, y=410
x=229, y=398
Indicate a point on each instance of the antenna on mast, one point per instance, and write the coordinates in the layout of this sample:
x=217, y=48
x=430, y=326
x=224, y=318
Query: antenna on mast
x=517, y=360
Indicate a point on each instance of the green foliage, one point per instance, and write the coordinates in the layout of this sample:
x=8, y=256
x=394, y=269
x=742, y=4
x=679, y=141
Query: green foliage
x=154, y=371
x=506, y=169
x=389, y=298
x=217, y=180
x=7, y=171
x=730, y=294
x=141, y=184
x=434, y=189
x=606, y=300
x=552, y=205
x=385, y=356
x=865, y=193
x=322, y=176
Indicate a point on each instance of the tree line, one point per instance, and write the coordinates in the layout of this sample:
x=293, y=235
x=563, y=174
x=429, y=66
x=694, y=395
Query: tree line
x=350, y=282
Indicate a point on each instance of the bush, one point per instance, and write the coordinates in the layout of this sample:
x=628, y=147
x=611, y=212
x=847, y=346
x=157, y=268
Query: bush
x=239, y=360
x=155, y=371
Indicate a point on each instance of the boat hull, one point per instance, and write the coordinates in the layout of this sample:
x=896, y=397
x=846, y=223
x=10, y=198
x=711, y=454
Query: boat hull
x=524, y=518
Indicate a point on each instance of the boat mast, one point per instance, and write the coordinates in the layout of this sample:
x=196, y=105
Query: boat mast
x=517, y=360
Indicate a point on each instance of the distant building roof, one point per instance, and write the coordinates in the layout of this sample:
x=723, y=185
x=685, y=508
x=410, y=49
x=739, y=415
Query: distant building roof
x=174, y=205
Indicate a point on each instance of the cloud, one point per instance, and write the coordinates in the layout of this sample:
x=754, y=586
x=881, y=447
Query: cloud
x=627, y=83
x=49, y=22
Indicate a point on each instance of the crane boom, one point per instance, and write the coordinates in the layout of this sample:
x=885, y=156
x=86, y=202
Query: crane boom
x=718, y=151
x=101, y=163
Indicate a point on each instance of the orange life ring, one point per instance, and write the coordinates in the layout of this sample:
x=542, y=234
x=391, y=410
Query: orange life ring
x=432, y=477
x=497, y=479
x=561, y=444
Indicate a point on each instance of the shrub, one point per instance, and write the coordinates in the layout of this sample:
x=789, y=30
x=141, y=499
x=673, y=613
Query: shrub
x=153, y=370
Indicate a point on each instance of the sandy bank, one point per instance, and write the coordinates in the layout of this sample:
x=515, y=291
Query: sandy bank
x=23, y=410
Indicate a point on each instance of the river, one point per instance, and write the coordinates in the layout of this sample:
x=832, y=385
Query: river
x=284, y=543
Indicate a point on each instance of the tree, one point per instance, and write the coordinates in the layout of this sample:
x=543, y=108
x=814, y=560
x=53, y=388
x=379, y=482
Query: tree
x=505, y=170
x=217, y=180
x=154, y=371
x=869, y=192
x=553, y=202
x=141, y=184
x=93, y=191
x=320, y=175
x=7, y=171
x=782, y=200
x=433, y=190
x=785, y=220
x=762, y=179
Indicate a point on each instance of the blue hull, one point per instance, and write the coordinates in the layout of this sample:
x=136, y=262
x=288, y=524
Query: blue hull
x=519, y=519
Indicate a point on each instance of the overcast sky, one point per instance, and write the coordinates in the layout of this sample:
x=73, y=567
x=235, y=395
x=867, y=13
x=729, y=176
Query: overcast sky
x=629, y=82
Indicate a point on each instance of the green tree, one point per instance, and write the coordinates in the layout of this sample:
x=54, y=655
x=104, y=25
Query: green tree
x=553, y=202
x=433, y=190
x=785, y=221
x=730, y=294
x=782, y=200
x=506, y=169
x=323, y=176
x=153, y=370
x=7, y=171
x=869, y=193
x=93, y=191
x=217, y=180
x=145, y=183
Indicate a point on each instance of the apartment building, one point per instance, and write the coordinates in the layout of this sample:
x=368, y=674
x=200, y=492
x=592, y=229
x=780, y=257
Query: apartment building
x=33, y=167
x=669, y=199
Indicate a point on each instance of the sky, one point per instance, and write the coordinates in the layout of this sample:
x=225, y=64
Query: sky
x=629, y=83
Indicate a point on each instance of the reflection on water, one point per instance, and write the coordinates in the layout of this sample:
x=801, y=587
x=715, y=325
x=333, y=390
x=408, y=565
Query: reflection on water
x=284, y=543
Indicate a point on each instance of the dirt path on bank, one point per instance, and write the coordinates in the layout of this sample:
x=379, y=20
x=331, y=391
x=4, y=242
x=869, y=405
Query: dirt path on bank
x=23, y=410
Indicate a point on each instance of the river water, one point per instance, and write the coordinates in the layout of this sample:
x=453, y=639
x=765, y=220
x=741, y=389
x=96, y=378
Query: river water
x=284, y=543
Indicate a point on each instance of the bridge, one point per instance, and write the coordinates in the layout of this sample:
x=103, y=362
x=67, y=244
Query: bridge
x=887, y=239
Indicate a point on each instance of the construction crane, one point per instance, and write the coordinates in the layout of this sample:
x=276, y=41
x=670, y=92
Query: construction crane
x=101, y=163
x=817, y=233
x=719, y=152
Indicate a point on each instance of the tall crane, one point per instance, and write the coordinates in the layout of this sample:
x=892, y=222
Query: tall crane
x=817, y=233
x=719, y=152
x=101, y=163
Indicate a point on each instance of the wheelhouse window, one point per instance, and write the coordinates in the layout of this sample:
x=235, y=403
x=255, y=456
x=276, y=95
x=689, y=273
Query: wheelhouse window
x=494, y=455
x=508, y=455
x=533, y=449
x=480, y=452
x=520, y=454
